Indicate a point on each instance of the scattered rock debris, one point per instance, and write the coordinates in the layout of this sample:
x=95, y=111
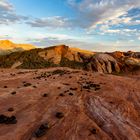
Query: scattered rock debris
x=66, y=91
x=13, y=93
x=61, y=94
x=7, y=120
x=73, y=88
x=93, y=131
x=60, y=72
x=12, y=74
x=45, y=95
x=10, y=109
x=42, y=130
x=71, y=94
x=90, y=85
x=43, y=75
x=66, y=84
x=59, y=115
x=27, y=84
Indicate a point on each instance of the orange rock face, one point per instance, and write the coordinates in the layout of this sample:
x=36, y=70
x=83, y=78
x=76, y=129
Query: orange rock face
x=8, y=45
x=118, y=54
x=66, y=104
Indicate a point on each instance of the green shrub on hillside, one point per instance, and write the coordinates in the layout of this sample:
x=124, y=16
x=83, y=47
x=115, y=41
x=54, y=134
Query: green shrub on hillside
x=30, y=60
x=72, y=64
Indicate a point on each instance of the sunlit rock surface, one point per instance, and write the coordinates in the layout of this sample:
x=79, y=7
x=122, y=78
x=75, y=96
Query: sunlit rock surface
x=65, y=104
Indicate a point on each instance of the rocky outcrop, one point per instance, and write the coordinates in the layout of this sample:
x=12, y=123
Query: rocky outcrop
x=102, y=63
x=54, y=54
x=117, y=55
x=132, y=61
x=16, y=64
x=132, y=54
x=65, y=56
x=105, y=63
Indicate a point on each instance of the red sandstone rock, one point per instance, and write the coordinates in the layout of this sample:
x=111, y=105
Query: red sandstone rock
x=109, y=113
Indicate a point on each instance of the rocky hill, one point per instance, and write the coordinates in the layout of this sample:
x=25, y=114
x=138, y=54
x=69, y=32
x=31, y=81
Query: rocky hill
x=7, y=46
x=67, y=101
x=64, y=56
x=66, y=104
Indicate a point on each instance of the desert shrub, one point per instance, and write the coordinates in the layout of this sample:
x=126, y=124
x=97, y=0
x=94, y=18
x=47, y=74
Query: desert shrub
x=72, y=64
x=30, y=59
x=61, y=72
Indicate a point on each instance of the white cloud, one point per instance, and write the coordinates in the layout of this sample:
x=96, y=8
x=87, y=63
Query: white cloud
x=114, y=46
x=98, y=16
x=94, y=14
x=53, y=22
x=5, y=5
x=8, y=14
x=102, y=11
x=105, y=29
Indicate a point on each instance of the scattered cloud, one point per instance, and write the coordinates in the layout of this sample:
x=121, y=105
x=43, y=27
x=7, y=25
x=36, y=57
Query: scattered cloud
x=53, y=22
x=123, y=31
x=109, y=11
x=103, y=15
x=51, y=40
x=8, y=14
x=94, y=18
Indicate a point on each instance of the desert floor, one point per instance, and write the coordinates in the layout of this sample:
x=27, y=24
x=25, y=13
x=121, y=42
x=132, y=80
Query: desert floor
x=66, y=104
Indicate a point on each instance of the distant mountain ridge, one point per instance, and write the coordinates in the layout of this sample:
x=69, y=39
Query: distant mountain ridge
x=7, y=46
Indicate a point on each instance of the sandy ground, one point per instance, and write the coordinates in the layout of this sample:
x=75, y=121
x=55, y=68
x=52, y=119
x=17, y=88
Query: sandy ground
x=91, y=106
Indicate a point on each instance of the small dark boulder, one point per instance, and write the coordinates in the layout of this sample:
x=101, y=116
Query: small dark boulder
x=71, y=94
x=5, y=87
x=8, y=120
x=42, y=130
x=61, y=94
x=13, y=93
x=73, y=88
x=3, y=119
x=93, y=131
x=10, y=109
x=27, y=84
x=59, y=115
x=11, y=120
x=45, y=95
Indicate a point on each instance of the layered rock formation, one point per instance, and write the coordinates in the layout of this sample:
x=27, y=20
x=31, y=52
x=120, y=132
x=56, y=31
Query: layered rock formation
x=104, y=63
x=57, y=53
x=65, y=56
x=132, y=61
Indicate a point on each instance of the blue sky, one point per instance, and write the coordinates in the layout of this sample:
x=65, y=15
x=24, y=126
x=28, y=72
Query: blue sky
x=98, y=25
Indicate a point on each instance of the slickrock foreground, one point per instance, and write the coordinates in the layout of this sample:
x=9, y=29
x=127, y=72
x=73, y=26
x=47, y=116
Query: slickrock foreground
x=66, y=104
